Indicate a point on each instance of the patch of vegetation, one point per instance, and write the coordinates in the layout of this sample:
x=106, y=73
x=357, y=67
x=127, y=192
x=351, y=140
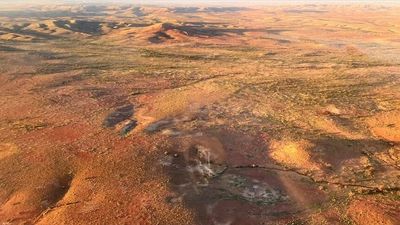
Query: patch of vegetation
x=169, y=55
x=4, y=48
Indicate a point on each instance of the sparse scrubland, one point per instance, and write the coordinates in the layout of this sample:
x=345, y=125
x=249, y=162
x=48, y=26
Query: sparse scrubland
x=200, y=115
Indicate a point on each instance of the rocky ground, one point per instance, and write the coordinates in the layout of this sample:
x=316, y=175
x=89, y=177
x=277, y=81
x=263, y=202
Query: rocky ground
x=199, y=115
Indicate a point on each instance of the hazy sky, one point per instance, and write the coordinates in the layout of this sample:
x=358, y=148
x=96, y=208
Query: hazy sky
x=211, y=2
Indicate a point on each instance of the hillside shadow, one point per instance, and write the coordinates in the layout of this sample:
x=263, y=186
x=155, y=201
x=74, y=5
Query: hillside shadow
x=236, y=191
x=81, y=26
x=338, y=152
x=243, y=193
x=207, y=9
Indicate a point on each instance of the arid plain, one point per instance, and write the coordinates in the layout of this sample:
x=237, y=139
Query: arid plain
x=120, y=114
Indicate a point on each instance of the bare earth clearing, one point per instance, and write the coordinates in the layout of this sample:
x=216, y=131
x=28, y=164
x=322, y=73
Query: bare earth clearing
x=200, y=115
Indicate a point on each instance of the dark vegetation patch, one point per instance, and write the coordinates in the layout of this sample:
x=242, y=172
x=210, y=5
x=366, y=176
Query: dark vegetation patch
x=9, y=49
x=186, y=56
x=204, y=24
x=96, y=92
x=65, y=67
x=61, y=82
x=280, y=41
x=29, y=126
x=304, y=92
x=47, y=55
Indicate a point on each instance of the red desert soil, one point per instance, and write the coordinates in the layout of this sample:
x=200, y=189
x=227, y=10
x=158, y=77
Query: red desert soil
x=119, y=114
x=372, y=211
x=386, y=125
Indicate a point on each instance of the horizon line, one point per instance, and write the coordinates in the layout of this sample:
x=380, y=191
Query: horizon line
x=193, y=3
